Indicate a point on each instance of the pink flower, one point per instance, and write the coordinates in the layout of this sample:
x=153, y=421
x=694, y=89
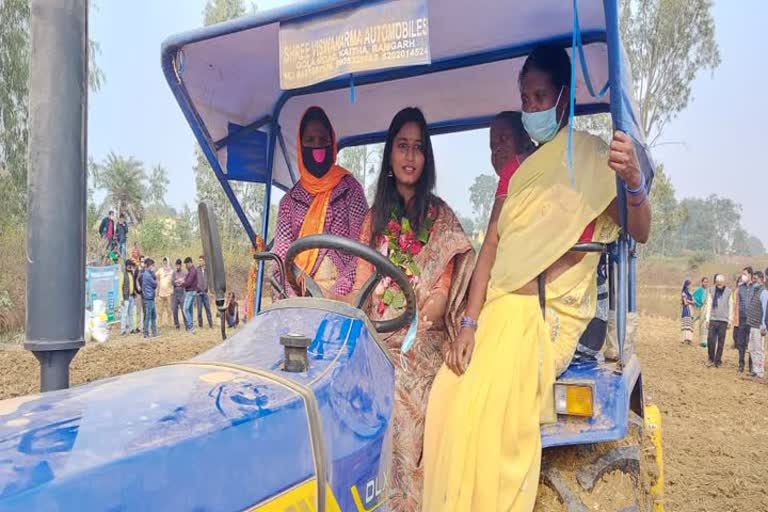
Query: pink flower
x=403, y=242
x=394, y=227
x=381, y=307
x=415, y=247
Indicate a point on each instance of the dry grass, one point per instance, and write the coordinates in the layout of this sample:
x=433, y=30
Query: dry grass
x=13, y=280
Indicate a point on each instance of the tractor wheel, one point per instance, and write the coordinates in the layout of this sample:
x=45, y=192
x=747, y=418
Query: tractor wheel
x=608, y=477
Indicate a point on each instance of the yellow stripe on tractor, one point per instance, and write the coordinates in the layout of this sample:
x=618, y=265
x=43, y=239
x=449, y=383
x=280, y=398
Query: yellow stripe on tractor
x=302, y=498
x=653, y=427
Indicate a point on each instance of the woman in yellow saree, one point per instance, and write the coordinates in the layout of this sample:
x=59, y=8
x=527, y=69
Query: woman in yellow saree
x=482, y=447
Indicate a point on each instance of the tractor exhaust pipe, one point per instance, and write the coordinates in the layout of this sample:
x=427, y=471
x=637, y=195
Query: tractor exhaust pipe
x=56, y=186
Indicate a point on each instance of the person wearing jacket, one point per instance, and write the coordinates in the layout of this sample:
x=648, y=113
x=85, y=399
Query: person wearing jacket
x=138, y=306
x=121, y=235
x=190, y=292
x=718, y=318
x=177, y=300
x=107, y=226
x=756, y=309
x=742, y=298
x=203, y=301
x=148, y=287
x=128, y=290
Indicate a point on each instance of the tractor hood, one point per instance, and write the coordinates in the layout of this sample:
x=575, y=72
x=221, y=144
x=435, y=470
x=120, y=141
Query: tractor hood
x=227, y=430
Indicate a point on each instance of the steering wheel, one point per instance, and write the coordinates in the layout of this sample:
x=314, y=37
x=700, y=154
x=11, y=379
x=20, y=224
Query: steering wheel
x=382, y=267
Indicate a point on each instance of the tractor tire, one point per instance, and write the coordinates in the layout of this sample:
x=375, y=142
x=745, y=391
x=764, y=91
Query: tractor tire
x=607, y=477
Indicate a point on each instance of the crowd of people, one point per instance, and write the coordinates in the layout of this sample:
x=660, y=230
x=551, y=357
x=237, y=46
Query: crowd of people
x=494, y=330
x=152, y=296
x=710, y=313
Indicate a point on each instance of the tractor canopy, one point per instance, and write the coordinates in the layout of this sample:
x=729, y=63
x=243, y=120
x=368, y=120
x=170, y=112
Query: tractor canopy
x=233, y=84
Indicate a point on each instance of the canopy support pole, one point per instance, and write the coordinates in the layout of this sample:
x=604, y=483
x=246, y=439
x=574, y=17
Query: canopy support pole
x=58, y=105
x=273, y=135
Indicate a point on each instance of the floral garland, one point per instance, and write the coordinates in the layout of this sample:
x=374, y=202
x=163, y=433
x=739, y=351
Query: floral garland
x=401, y=243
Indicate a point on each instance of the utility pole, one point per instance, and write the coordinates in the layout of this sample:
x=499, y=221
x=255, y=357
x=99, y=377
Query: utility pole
x=57, y=186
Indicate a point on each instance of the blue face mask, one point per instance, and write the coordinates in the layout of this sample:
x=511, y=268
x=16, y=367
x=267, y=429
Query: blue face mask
x=542, y=126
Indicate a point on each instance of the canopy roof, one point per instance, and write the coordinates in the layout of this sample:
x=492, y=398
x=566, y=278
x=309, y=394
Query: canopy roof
x=226, y=76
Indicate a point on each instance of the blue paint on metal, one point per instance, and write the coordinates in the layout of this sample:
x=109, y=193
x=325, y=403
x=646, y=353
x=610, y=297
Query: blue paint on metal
x=273, y=135
x=632, y=291
x=191, y=437
x=134, y=441
x=611, y=393
x=622, y=292
x=247, y=156
x=233, y=135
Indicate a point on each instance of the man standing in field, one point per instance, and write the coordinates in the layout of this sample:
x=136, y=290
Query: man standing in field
x=743, y=297
x=177, y=301
x=164, y=293
x=148, y=289
x=190, y=293
x=700, y=298
x=203, y=301
x=756, y=309
x=717, y=320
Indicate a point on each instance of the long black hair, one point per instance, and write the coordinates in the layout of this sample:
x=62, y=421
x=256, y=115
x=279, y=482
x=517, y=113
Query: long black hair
x=387, y=195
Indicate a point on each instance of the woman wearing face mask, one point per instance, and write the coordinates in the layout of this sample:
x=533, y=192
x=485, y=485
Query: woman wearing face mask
x=327, y=199
x=482, y=446
x=422, y=236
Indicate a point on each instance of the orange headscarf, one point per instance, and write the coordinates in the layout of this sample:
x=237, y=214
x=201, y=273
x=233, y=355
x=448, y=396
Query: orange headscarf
x=321, y=189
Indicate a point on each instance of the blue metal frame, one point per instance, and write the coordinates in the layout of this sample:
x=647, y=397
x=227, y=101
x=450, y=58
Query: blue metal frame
x=615, y=73
x=265, y=212
x=245, y=130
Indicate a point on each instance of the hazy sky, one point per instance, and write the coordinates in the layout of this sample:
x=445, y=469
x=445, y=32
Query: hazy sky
x=715, y=146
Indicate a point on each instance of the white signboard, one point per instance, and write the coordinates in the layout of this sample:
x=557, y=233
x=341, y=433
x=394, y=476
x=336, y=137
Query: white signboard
x=379, y=35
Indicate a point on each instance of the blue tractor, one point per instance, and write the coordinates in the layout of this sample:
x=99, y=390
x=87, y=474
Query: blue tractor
x=292, y=412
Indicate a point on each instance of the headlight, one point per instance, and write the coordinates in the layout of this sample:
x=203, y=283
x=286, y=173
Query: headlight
x=574, y=399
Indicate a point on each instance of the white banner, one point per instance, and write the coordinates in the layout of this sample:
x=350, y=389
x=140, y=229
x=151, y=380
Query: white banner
x=380, y=35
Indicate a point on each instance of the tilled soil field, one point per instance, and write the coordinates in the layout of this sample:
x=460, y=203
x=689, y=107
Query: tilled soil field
x=20, y=374
x=715, y=422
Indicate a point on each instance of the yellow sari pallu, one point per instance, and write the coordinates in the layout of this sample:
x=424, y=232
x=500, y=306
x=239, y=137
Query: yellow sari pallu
x=482, y=447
